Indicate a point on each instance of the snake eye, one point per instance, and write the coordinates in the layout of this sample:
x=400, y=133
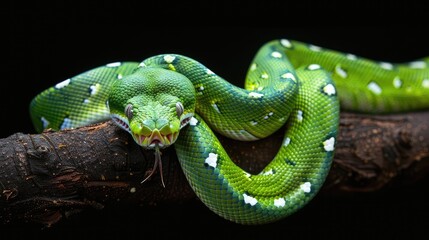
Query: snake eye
x=129, y=111
x=179, y=109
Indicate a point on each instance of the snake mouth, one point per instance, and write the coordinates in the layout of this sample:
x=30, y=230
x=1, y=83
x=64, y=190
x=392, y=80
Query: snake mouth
x=156, y=139
x=122, y=123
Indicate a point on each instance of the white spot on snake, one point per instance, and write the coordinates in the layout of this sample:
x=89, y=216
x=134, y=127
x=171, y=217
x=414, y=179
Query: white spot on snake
x=253, y=123
x=299, y=116
x=417, y=64
x=253, y=67
x=120, y=76
x=329, y=144
x=313, y=66
x=351, y=57
x=169, y=58
x=86, y=101
x=66, y=123
x=193, y=121
x=425, y=83
x=260, y=88
x=45, y=122
x=286, y=142
x=209, y=72
x=269, y=115
x=142, y=64
x=329, y=89
x=214, y=105
x=314, y=48
x=264, y=76
x=373, y=87
x=249, y=200
x=279, y=202
x=306, y=187
x=211, y=160
x=386, y=65
x=276, y=54
x=270, y=172
x=62, y=84
x=340, y=72
x=286, y=43
x=289, y=76
x=132, y=190
x=94, y=89
x=115, y=64
x=247, y=174
x=255, y=95
x=397, y=82
x=201, y=88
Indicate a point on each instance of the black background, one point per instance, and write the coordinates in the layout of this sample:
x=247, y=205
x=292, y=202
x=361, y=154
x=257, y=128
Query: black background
x=47, y=43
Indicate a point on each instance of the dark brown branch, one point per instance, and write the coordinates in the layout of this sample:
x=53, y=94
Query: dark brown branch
x=46, y=176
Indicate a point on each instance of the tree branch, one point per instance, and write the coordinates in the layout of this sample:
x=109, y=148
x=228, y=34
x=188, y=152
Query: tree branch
x=44, y=177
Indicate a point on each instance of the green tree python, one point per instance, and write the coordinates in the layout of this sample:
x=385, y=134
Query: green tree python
x=288, y=82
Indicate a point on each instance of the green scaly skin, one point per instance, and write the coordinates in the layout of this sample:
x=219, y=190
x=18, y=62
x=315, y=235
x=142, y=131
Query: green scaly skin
x=288, y=82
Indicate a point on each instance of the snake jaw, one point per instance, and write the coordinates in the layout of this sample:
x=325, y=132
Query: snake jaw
x=156, y=139
x=121, y=122
x=185, y=120
x=153, y=140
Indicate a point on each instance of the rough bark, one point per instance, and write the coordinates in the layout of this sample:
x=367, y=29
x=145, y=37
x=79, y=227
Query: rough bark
x=44, y=177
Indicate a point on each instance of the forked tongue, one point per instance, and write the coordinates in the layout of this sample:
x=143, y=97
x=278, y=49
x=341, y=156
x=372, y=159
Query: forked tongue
x=157, y=164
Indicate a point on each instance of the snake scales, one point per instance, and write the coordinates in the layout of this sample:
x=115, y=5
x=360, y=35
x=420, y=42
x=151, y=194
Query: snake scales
x=288, y=82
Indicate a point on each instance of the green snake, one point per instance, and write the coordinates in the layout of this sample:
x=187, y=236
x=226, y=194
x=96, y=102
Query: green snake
x=288, y=82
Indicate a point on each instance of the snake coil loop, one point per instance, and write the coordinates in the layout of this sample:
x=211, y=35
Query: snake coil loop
x=288, y=82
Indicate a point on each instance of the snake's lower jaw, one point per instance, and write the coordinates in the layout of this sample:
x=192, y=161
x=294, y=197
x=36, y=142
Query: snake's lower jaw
x=156, y=139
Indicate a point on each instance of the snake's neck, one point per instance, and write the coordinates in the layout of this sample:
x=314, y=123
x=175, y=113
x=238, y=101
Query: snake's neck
x=157, y=165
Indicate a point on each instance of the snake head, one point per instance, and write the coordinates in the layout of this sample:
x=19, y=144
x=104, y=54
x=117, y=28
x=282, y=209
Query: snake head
x=152, y=104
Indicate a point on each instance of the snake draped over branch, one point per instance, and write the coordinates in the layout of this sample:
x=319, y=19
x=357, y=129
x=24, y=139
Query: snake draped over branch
x=171, y=99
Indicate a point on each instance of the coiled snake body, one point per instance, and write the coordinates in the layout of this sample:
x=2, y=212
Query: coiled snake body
x=288, y=82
